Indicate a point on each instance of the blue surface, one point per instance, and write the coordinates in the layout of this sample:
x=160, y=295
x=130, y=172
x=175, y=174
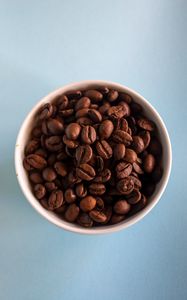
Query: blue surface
x=46, y=44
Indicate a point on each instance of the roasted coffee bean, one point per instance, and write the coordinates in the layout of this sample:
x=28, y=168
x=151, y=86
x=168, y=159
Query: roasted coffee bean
x=125, y=186
x=88, y=135
x=93, y=144
x=122, y=207
x=95, y=115
x=117, y=218
x=85, y=172
x=84, y=121
x=55, y=199
x=155, y=146
x=85, y=220
x=49, y=174
x=88, y=203
x=139, y=206
x=149, y=163
x=104, y=149
x=54, y=143
x=118, y=111
x=36, y=177
x=120, y=136
x=97, y=188
x=83, y=102
x=105, y=129
x=50, y=186
x=123, y=169
x=83, y=154
x=72, y=131
x=125, y=97
x=98, y=216
x=60, y=168
x=72, y=213
x=32, y=146
x=130, y=155
x=46, y=111
x=94, y=95
x=70, y=143
x=146, y=124
x=62, y=102
x=145, y=135
x=138, y=144
x=103, y=176
x=80, y=190
x=103, y=109
x=39, y=191
x=137, y=168
x=69, y=196
x=35, y=161
x=134, y=197
x=119, y=151
x=112, y=95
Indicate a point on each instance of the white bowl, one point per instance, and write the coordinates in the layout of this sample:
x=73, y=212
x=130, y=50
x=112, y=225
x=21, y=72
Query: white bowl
x=52, y=217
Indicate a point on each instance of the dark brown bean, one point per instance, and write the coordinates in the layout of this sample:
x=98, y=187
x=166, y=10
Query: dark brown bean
x=103, y=176
x=139, y=206
x=104, y=149
x=83, y=102
x=103, y=109
x=137, y=168
x=112, y=95
x=117, y=218
x=81, y=190
x=32, y=146
x=84, y=121
x=61, y=168
x=105, y=129
x=72, y=131
x=119, y=151
x=55, y=199
x=123, y=169
x=50, y=186
x=155, y=147
x=85, y=220
x=88, y=203
x=83, y=154
x=72, y=213
x=94, y=95
x=70, y=143
x=125, y=97
x=130, y=156
x=145, y=135
x=88, y=135
x=82, y=113
x=46, y=111
x=54, y=143
x=97, y=188
x=134, y=197
x=95, y=115
x=39, y=191
x=118, y=111
x=62, y=102
x=85, y=172
x=36, y=161
x=120, y=136
x=98, y=216
x=149, y=163
x=36, y=177
x=49, y=174
x=146, y=124
x=125, y=186
x=138, y=144
x=69, y=196
x=122, y=207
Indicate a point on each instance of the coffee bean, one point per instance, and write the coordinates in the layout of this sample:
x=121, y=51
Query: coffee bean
x=62, y=102
x=44, y=203
x=135, y=108
x=41, y=152
x=149, y=163
x=100, y=203
x=145, y=135
x=130, y=156
x=134, y=197
x=54, y=143
x=83, y=154
x=138, y=144
x=52, y=126
x=61, y=156
x=118, y=111
x=60, y=210
x=72, y=131
x=60, y=168
x=83, y=102
x=108, y=213
x=85, y=220
x=49, y=174
x=121, y=124
x=73, y=178
x=84, y=121
x=105, y=129
x=64, y=113
x=39, y=191
x=82, y=113
x=125, y=97
x=97, y=188
x=136, y=181
x=72, y=213
x=70, y=143
x=123, y=169
x=94, y=95
x=46, y=111
x=122, y=207
x=119, y=151
x=126, y=108
x=88, y=135
x=36, y=177
x=103, y=90
x=74, y=94
x=103, y=109
x=125, y=186
x=55, y=199
x=112, y=95
x=139, y=206
x=103, y=176
x=88, y=203
x=155, y=146
x=120, y=136
x=117, y=218
x=36, y=132
x=36, y=161
x=85, y=172
x=50, y=186
x=98, y=216
x=32, y=146
x=137, y=168
x=146, y=124
x=104, y=149
x=80, y=190
x=95, y=115
x=69, y=196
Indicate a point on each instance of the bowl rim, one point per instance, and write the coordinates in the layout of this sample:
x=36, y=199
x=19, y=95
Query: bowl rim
x=73, y=227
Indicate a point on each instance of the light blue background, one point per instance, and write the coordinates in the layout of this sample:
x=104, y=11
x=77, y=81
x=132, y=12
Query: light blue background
x=44, y=45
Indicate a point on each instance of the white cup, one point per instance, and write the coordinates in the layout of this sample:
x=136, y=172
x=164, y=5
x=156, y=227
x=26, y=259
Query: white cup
x=22, y=176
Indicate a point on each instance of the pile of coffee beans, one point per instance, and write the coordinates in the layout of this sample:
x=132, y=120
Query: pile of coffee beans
x=93, y=157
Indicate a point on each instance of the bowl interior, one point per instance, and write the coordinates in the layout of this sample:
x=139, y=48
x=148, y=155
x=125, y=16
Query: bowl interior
x=24, y=134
